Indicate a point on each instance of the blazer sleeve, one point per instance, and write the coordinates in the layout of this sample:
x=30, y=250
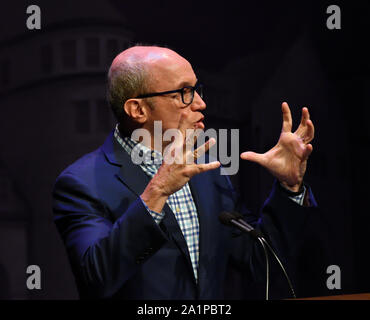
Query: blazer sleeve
x=103, y=254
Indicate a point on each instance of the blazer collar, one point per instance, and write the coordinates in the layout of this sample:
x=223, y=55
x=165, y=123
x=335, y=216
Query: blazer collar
x=207, y=208
x=114, y=151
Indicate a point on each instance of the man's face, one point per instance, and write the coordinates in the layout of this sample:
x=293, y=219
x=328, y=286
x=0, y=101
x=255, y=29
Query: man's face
x=173, y=72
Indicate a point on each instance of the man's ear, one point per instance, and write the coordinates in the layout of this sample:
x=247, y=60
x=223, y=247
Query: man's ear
x=136, y=110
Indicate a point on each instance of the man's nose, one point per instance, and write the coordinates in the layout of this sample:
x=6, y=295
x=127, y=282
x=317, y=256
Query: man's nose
x=198, y=103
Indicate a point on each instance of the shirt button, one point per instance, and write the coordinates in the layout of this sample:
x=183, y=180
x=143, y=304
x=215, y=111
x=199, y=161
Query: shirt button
x=177, y=209
x=153, y=154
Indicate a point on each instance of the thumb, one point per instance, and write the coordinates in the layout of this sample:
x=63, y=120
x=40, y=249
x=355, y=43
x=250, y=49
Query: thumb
x=252, y=156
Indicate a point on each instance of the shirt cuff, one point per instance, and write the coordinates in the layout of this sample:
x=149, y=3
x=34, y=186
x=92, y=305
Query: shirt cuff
x=156, y=216
x=297, y=197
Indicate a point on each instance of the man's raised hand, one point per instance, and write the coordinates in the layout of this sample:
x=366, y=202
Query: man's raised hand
x=287, y=160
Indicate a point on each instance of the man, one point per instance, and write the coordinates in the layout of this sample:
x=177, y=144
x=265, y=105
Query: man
x=151, y=230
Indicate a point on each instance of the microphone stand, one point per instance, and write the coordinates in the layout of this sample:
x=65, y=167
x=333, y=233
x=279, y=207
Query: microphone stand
x=260, y=239
x=258, y=235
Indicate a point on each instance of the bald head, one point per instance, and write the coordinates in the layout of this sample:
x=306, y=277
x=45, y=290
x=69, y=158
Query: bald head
x=136, y=70
x=144, y=54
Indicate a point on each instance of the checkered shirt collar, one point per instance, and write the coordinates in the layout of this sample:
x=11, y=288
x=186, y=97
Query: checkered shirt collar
x=152, y=159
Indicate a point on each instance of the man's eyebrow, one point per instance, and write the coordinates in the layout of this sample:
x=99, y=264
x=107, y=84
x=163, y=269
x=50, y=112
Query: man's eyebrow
x=186, y=83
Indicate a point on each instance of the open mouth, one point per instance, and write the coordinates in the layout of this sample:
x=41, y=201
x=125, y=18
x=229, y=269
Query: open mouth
x=199, y=124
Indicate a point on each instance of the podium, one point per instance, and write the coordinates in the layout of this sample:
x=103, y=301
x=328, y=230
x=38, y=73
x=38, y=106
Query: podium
x=359, y=296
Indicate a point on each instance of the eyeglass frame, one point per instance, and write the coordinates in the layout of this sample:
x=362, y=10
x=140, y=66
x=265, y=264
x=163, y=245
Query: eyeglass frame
x=155, y=94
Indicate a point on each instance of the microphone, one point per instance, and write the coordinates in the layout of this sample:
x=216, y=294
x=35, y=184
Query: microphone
x=236, y=219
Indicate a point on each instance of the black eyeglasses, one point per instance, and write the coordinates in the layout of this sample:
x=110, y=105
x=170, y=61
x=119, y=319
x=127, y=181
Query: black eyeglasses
x=187, y=93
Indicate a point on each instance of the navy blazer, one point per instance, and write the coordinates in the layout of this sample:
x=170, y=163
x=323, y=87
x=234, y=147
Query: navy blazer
x=117, y=250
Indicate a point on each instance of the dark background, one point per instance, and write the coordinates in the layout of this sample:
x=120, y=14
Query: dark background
x=250, y=55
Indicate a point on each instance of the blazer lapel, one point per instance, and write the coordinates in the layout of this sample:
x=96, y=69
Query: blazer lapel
x=174, y=231
x=208, y=221
x=136, y=180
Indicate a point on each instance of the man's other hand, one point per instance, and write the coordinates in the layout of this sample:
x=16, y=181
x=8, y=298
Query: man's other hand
x=287, y=160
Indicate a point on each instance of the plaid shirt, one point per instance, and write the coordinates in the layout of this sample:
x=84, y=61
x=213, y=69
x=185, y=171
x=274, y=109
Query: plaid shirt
x=180, y=202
